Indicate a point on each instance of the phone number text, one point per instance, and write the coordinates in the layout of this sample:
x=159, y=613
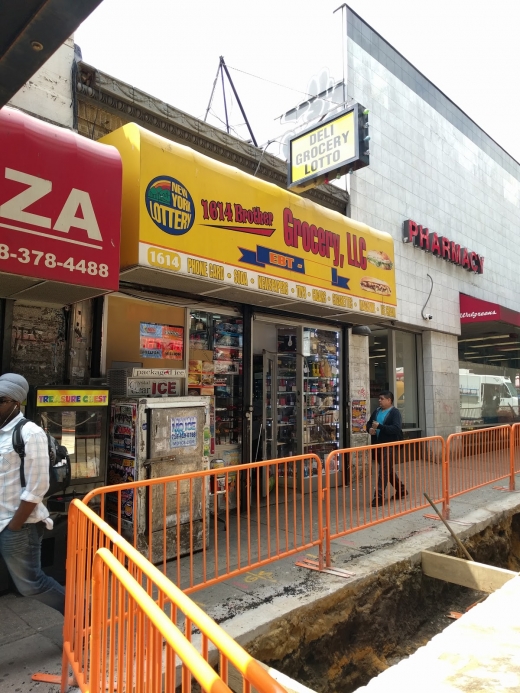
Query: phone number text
x=38, y=257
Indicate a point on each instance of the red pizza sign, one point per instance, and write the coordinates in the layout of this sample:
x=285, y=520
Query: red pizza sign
x=60, y=204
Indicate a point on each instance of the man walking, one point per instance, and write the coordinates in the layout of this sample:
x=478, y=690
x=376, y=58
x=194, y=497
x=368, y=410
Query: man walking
x=385, y=425
x=23, y=516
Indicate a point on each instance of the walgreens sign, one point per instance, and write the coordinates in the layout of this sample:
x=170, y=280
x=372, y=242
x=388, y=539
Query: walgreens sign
x=60, y=204
x=476, y=310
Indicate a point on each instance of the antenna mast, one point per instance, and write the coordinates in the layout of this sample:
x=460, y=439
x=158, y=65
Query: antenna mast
x=223, y=71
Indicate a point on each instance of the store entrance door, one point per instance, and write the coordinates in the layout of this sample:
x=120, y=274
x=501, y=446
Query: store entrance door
x=296, y=398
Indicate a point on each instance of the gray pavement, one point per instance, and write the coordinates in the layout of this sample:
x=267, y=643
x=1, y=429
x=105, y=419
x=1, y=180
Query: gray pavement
x=30, y=633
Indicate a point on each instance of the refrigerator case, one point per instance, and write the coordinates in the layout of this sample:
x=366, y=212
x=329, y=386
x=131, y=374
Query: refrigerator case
x=150, y=438
x=78, y=418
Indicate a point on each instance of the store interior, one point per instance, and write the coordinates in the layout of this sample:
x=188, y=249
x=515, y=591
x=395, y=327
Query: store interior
x=296, y=394
x=215, y=370
x=489, y=374
x=393, y=364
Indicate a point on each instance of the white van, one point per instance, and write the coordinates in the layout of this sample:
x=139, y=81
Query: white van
x=486, y=396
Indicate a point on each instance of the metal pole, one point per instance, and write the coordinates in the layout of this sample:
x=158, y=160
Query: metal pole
x=455, y=537
x=212, y=93
x=344, y=54
x=343, y=9
x=238, y=101
x=224, y=91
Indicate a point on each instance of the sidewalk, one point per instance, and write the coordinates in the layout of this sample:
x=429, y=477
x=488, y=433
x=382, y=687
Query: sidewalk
x=30, y=634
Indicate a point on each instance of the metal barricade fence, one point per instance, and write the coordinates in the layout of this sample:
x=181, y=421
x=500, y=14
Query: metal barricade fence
x=257, y=513
x=515, y=449
x=261, y=512
x=356, y=483
x=477, y=458
x=122, y=627
x=134, y=644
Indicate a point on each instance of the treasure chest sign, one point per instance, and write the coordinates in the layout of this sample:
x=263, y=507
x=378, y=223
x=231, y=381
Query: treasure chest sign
x=208, y=225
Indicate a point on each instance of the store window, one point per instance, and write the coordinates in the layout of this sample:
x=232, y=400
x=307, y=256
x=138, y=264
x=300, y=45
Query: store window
x=378, y=364
x=406, y=394
x=489, y=375
x=215, y=370
x=393, y=366
x=144, y=334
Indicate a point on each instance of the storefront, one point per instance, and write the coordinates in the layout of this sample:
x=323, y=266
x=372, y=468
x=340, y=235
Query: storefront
x=60, y=213
x=260, y=287
x=489, y=363
x=395, y=357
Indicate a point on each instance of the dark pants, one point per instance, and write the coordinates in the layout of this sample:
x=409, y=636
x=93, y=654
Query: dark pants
x=387, y=458
x=21, y=552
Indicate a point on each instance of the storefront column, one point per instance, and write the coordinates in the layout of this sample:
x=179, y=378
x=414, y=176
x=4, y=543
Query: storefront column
x=441, y=383
x=358, y=382
x=247, y=360
x=6, y=330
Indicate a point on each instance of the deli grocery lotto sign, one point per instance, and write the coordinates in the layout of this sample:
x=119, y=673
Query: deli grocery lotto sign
x=329, y=150
x=187, y=215
x=60, y=204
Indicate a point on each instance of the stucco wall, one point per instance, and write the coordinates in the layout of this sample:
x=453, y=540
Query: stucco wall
x=48, y=93
x=359, y=380
x=441, y=383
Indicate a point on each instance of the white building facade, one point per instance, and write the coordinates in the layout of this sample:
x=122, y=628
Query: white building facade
x=431, y=164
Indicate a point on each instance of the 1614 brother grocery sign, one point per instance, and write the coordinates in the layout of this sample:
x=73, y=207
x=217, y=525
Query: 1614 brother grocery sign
x=203, y=219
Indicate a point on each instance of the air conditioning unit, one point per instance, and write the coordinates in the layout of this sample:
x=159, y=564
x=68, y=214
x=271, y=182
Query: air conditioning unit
x=116, y=378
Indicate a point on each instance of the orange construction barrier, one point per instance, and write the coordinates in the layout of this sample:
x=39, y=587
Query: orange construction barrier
x=114, y=631
x=357, y=483
x=134, y=645
x=226, y=521
x=477, y=458
x=515, y=452
x=268, y=510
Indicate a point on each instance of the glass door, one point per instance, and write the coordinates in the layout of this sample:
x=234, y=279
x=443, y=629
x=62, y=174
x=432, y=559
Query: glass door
x=321, y=413
x=269, y=432
x=287, y=390
x=296, y=398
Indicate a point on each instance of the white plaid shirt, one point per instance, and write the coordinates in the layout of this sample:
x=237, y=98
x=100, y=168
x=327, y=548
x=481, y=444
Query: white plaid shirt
x=36, y=470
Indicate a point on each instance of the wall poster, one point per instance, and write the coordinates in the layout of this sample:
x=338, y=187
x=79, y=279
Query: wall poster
x=122, y=429
x=359, y=415
x=161, y=341
x=121, y=470
x=183, y=432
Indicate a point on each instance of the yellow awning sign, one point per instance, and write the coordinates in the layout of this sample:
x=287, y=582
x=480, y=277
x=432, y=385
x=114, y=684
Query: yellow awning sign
x=189, y=215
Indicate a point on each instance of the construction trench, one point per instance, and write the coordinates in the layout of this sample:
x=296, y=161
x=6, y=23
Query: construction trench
x=341, y=641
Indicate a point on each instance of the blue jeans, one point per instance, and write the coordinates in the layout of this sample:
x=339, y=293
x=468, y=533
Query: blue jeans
x=21, y=552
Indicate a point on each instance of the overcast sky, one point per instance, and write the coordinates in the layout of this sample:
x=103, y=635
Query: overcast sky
x=469, y=49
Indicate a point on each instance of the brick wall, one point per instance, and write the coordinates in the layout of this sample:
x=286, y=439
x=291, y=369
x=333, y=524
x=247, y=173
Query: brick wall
x=39, y=343
x=94, y=122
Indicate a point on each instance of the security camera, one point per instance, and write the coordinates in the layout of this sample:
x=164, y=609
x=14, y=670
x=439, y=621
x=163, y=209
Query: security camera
x=430, y=317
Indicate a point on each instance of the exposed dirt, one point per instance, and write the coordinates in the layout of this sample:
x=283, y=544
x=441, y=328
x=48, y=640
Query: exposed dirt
x=340, y=642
